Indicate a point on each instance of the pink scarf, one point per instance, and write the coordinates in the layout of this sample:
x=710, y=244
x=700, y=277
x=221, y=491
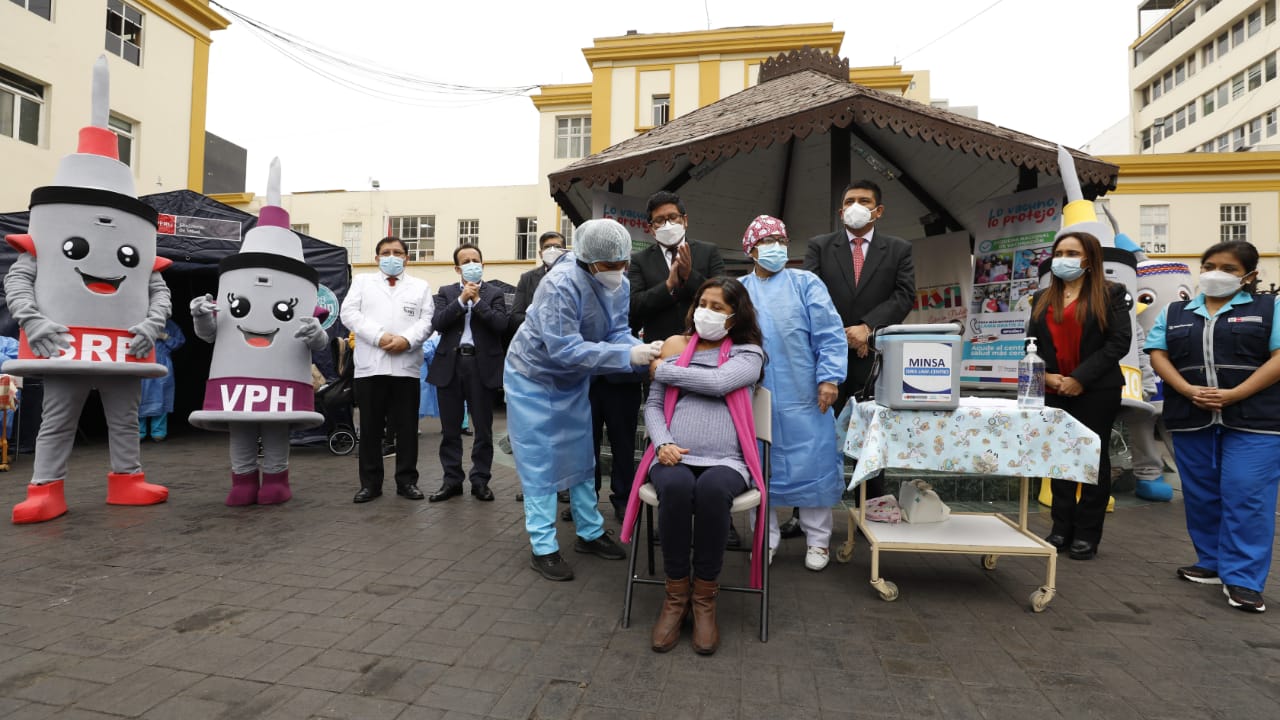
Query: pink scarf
x=740, y=410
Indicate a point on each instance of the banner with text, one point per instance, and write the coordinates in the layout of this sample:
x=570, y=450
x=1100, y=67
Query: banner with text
x=1012, y=235
x=630, y=211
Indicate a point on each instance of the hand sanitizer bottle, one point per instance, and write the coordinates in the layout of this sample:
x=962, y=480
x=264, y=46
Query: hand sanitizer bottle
x=1031, y=379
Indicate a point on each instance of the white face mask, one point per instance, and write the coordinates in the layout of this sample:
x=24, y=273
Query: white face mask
x=1219, y=284
x=611, y=279
x=551, y=255
x=669, y=235
x=856, y=216
x=710, y=324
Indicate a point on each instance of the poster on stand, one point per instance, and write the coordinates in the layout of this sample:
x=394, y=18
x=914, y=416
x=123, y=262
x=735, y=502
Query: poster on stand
x=942, y=283
x=1013, y=234
x=630, y=211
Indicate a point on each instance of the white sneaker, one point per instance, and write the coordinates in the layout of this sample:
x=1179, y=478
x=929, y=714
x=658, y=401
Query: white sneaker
x=772, y=551
x=816, y=558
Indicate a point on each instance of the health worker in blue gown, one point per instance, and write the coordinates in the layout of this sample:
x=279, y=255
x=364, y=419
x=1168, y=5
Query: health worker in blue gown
x=808, y=358
x=575, y=328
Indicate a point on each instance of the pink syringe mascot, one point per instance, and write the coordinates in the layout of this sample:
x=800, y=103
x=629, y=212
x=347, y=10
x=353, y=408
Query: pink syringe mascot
x=263, y=328
x=87, y=294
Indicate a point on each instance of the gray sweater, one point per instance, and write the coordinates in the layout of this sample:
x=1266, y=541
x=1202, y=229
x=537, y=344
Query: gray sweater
x=701, y=421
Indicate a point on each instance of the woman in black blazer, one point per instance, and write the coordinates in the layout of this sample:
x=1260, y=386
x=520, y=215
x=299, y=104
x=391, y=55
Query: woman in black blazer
x=1082, y=329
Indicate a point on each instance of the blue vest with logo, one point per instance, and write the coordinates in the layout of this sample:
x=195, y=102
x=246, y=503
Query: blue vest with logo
x=1237, y=345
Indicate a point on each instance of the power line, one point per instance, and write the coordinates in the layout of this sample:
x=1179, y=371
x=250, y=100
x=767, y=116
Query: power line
x=367, y=76
x=898, y=61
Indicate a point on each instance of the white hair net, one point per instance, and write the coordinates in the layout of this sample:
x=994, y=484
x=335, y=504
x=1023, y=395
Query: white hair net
x=602, y=241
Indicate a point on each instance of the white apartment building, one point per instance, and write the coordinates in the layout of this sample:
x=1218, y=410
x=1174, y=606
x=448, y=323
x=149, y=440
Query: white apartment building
x=158, y=55
x=1205, y=152
x=1204, y=77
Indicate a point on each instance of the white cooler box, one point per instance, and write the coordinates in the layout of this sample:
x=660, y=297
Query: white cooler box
x=919, y=366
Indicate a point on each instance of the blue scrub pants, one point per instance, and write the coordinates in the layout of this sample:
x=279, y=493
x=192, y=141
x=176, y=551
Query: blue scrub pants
x=157, y=426
x=1229, y=480
x=540, y=517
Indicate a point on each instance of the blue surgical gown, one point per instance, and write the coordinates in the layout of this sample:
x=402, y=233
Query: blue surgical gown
x=573, y=330
x=157, y=393
x=428, y=400
x=806, y=345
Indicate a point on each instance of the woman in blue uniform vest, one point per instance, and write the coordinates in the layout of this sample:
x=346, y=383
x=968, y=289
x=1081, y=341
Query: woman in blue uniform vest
x=1219, y=357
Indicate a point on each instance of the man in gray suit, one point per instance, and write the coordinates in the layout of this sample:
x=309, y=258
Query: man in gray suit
x=871, y=278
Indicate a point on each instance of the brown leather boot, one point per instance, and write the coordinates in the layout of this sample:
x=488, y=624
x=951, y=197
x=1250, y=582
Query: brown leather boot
x=666, y=631
x=706, y=634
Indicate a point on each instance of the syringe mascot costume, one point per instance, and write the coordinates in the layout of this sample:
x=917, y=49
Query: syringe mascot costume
x=263, y=329
x=87, y=293
x=1120, y=266
x=1159, y=283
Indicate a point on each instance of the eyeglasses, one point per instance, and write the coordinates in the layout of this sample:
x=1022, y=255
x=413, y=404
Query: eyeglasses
x=660, y=221
x=773, y=241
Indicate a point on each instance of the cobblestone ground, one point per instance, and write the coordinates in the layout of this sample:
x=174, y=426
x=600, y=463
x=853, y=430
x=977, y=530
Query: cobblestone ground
x=410, y=610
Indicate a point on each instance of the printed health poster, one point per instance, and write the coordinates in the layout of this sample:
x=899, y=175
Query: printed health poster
x=1013, y=234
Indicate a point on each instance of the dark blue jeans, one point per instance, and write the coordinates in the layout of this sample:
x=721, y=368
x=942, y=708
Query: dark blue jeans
x=693, y=509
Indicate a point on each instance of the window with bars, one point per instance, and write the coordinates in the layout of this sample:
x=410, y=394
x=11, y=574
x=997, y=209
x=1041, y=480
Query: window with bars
x=352, y=234
x=573, y=137
x=43, y=8
x=1154, y=223
x=526, y=238
x=469, y=232
x=124, y=31
x=418, y=233
x=21, y=107
x=1234, y=221
x=126, y=137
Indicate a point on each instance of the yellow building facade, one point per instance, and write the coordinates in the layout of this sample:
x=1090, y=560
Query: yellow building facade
x=638, y=81
x=158, y=55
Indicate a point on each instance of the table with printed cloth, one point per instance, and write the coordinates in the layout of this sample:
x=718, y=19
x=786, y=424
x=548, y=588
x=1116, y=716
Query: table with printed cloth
x=987, y=436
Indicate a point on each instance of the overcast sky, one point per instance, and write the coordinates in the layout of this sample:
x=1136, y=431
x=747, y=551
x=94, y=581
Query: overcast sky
x=1061, y=77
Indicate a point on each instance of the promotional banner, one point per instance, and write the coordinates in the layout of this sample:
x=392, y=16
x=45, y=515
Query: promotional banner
x=942, y=283
x=198, y=227
x=630, y=211
x=1012, y=237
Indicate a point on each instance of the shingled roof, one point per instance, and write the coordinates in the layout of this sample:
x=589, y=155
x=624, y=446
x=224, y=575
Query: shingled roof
x=797, y=97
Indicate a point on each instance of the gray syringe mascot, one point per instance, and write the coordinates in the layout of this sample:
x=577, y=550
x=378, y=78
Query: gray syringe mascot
x=263, y=329
x=87, y=294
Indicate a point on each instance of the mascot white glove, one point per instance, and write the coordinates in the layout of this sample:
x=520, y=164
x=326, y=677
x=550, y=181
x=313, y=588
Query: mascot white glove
x=45, y=337
x=202, y=306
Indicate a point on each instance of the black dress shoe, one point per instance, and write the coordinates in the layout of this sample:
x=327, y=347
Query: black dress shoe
x=483, y=494
x=445, y=492
x=411, y=492
x=791, y=528
x=1082, y=550
x=1058, y=541
x=364, y=495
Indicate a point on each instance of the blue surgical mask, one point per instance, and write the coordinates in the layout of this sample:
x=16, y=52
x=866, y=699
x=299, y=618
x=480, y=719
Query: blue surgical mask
x=1067, y=268
x=472, y=272
x=772, y=257
x=391, y=265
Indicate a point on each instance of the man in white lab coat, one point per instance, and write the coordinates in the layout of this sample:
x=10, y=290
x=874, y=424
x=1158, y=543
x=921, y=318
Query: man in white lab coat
x=390, y=313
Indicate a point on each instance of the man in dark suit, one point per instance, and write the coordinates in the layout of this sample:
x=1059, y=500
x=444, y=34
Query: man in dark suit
x=550, y=248
x=871, y=278
x=664, y=278
x=471, y=318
